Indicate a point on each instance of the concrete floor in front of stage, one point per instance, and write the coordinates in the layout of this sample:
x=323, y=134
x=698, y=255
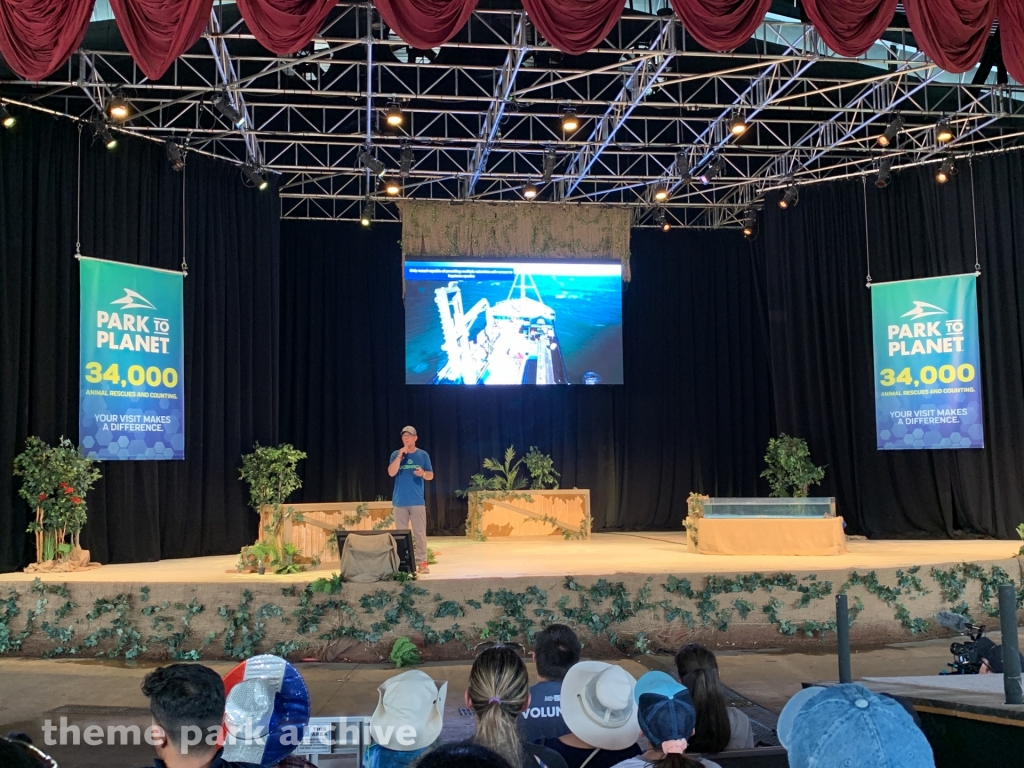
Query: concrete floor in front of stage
x=107, y=693
x=603, y=555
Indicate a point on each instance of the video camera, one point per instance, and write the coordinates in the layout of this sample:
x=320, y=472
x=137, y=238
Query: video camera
x=966, y=656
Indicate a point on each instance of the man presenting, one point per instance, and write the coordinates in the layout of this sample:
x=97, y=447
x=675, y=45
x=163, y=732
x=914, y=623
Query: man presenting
x=410, y=466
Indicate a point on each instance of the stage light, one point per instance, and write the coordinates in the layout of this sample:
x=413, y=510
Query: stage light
x=738, y=124
x=661, y=193
x=944, y=131
x=570, y=122
x=174, y=154
x=891, y=130
x=550, y=161
x=6, y=117
x=790, y=198
x=661, y=220
x=367, y=160
x=405, y=161
x=946, y=170
x=530, y=191
x=108, y=139
x=683, y=168
x=255, y=176
x=118, y=109
x=712, y=169
x=884, y=172
x=750, y=224
x=394, y=115
x=223, y=104
x=366, y=217
x=392, y=188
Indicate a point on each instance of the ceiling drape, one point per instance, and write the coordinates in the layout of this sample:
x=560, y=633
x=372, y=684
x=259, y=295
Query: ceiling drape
x=157, y=32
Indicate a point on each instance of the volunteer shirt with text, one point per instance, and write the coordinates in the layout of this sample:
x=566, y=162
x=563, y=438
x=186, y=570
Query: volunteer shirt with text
x=543, y=719
x=409, y=488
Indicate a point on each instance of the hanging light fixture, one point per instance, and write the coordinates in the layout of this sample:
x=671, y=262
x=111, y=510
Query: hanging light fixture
x=884, y=172
x=118, y=109
x=392, y=187
x=174, y=154
x=256, y=177
x=405, y=161
x=738, y=124
x=530, y=190
x=661, y=193
x=222, y=103
x=790, y=198
x=946, y=170
x=550, y=161
x=366, y=216
x=944, y=131
x=661, y=220
x=750, y=224
x=394, y=115
x=891, y=130
x=105, y=135
x=6, y=117
x=570, y=122
x=712, y=169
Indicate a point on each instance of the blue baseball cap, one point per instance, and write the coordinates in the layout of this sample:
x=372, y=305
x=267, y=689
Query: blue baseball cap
x=848, y=726
x=666, y=711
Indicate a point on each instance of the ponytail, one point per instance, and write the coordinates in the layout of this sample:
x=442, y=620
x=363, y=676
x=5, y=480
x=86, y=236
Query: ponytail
x=678, y=761
x=698, y=671
x=499, y=688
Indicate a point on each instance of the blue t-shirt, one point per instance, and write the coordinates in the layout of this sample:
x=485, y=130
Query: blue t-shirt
x=409, y=488
x=377, y=756
x=543, y=720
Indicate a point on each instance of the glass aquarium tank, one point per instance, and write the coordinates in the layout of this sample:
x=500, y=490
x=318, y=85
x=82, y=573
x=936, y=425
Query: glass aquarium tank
x=816, y=507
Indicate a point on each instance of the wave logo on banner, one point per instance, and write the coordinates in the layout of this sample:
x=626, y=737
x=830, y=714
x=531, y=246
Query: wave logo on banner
x=132, y=390
x=927, y=364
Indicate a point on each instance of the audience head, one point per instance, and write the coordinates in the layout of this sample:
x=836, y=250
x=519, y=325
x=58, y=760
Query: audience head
x=698, y=671
x=499, y=689
x=184, y=696
x=462, y=755
x=667, y=718
x=598, y=706
x=992, y=656
x=848, y=725
x=19, y=753
x=409, y=700
x=555, y=650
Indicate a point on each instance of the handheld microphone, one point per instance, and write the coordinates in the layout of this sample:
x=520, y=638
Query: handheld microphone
x=954, y=621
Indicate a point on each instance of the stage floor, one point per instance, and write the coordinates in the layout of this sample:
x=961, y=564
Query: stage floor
x=606, y=554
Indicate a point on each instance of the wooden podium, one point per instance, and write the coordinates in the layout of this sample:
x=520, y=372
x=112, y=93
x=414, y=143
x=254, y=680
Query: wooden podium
x=562, y=512
x=311, y=533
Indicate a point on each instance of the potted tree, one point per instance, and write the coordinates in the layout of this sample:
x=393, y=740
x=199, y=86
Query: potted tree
x=55, y=481
x=790, y=471
x=271, y=474
x=513, y=502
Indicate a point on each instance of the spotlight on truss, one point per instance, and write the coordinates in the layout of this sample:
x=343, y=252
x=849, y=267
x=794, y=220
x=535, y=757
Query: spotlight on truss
x=367, y=160
x=884, y=172
x=790, y=198
x=891, y=130
x=222, y=103
x=175, y=155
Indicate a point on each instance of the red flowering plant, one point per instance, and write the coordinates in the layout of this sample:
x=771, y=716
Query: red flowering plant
x=55, y=480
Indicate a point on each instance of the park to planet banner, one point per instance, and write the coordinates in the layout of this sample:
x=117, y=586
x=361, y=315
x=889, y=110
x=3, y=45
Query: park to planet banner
x=132, y=393
x=927, y=364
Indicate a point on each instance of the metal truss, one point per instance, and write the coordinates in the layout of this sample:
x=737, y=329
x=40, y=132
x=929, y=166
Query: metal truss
x=482, y=113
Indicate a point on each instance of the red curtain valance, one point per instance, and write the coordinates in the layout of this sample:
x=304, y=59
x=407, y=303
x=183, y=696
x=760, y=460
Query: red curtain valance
x=850, y=27
x=284, y=26
x=157, y=32
x=425, y=24
x=37, y=36
x=721, y=25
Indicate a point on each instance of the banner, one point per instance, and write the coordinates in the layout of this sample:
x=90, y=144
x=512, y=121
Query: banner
x=927, y=364
x=132, y=392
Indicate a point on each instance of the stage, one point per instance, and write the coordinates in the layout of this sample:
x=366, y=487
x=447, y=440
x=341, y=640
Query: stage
x=634, y=591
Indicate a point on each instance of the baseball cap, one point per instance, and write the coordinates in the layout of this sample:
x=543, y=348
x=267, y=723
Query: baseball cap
x=410, y=430
x=849, y=726
x=666, y=711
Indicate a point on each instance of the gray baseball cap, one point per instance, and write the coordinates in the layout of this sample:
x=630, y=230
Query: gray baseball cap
x=410, y=430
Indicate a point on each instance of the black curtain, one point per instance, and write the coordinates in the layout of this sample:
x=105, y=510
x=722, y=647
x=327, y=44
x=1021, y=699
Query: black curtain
x=131, y=211
x=693, y=415
x=812, y=261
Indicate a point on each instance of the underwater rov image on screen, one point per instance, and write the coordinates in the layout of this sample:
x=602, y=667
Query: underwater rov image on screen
x=513, y=322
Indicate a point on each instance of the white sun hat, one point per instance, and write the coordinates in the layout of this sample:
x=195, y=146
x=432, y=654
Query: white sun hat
x=598, y=706
x=409, y=699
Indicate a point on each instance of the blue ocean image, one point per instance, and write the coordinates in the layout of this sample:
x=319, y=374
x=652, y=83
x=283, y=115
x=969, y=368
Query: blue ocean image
x=587, y=316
